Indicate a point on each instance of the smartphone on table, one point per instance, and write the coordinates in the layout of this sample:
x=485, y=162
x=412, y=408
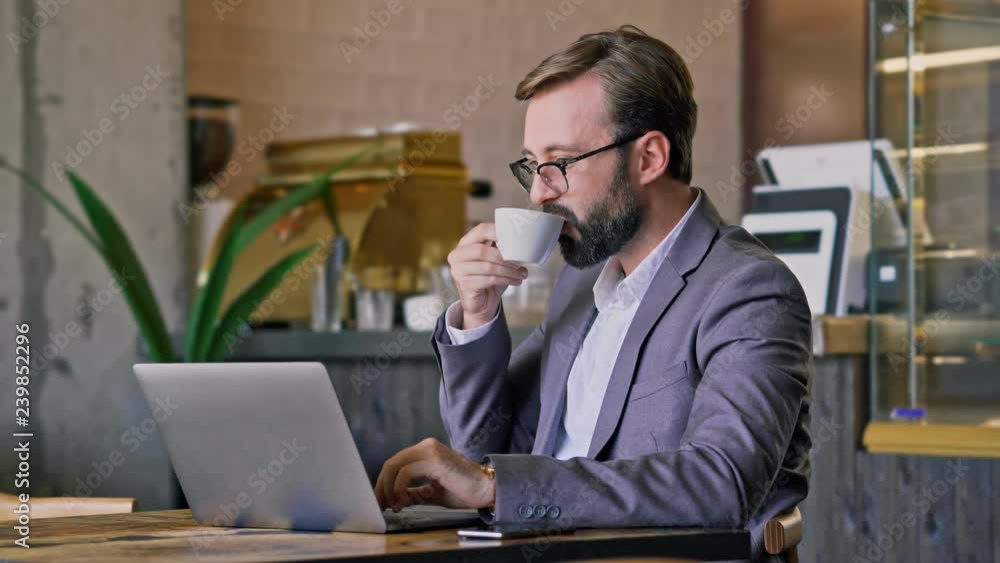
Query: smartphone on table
x=503, y=532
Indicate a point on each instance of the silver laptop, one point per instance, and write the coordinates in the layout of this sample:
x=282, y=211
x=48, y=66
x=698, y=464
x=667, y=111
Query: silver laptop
x=266, y=445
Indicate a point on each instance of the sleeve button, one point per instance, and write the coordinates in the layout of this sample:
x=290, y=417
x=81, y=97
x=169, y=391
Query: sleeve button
x=525, y=511
x=553, y=512
x=540, y=510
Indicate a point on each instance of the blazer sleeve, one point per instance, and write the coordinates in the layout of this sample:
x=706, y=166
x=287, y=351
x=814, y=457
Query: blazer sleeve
x=488, y=395
x=753, y=350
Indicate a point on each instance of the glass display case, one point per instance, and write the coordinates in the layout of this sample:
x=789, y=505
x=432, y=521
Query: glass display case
x=934, y=286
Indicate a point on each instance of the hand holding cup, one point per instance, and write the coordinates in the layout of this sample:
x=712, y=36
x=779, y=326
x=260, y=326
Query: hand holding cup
x=491, y=257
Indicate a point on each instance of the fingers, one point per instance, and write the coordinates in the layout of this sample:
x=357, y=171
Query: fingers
x=475, y=252
x=425, y=493
x=387, y=477
x=508, y=274
x=481, y=233
x=478, y=266
x=479, y=245
x=481, y=260
x=407, y=474
x=379, y=498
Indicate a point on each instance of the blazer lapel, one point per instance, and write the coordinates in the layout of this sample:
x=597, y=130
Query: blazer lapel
x=687, y=252
x=568, y=330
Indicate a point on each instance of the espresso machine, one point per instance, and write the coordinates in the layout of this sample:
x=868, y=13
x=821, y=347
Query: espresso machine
x=401, y=208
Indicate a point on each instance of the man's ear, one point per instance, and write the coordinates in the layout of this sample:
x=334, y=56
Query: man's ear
x=653, y=156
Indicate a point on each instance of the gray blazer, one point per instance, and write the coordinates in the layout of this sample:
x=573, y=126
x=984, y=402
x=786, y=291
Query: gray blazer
x=705, y=418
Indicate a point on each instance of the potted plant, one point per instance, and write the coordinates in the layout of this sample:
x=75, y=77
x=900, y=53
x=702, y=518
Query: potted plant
x=207, y=327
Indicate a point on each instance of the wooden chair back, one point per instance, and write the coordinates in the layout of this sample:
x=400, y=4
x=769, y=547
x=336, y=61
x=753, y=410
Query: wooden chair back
x=783, y=533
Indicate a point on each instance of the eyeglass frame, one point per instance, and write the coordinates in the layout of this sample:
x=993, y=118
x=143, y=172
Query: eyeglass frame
x=562, y=163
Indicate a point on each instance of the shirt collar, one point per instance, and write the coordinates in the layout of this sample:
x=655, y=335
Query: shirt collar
x=614, y=290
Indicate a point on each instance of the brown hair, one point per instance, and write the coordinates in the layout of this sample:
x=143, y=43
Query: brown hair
x=647, y=84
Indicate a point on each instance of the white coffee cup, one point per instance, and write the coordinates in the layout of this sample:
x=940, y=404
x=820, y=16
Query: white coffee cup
x=526, y=236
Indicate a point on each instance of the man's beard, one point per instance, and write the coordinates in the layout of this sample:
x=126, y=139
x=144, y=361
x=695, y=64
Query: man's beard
x=611, y=223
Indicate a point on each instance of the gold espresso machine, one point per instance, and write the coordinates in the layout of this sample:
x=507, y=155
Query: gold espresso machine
x=402, y=208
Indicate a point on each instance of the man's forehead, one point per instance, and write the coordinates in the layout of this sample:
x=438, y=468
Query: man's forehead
x=567, y=117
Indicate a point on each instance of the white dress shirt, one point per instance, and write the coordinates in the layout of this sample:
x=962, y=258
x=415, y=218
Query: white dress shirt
x=617, y=299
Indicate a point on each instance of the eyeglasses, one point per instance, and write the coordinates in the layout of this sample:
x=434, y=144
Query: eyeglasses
x=554, y=173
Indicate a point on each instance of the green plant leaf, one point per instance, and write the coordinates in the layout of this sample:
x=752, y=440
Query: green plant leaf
x=57, y=205
x=243, y=306
x=330, y=205
x=127, y=270
x=314, y=188
x=209, y=297
x=145, y=311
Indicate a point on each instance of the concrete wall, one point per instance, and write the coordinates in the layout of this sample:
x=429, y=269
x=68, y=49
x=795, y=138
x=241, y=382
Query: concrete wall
x=60, y=81
x=339, y=66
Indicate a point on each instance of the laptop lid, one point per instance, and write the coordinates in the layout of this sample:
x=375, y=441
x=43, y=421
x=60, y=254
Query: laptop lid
x=262, y=445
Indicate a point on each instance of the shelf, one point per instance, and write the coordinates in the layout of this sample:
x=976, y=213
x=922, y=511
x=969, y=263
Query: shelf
x=947, y=440
x=848, y=335
x=832, y=336
x=304, y=345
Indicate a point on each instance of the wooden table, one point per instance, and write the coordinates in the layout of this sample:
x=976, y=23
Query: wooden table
x=173, y=535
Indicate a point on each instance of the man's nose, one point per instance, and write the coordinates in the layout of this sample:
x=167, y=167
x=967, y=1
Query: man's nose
x=541, y=193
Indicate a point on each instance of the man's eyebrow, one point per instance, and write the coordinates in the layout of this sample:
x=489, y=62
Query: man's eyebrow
x=553, y=148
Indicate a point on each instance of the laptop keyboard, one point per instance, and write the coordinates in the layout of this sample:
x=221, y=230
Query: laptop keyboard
x=400, y=518
x=427, y=515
